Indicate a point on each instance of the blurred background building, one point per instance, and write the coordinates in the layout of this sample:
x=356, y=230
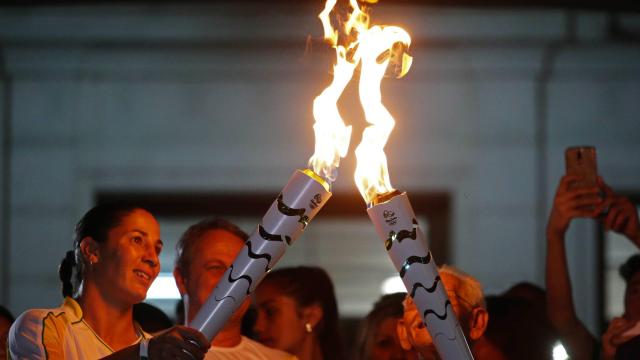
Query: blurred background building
x=205, y=109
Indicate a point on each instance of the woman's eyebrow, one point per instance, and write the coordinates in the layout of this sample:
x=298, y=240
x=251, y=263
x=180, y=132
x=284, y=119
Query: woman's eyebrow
x=141, y=232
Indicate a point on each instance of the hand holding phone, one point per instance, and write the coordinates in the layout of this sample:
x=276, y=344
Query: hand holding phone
x=581, y=161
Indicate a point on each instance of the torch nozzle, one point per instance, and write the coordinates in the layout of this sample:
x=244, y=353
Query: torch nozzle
x=380, y=198
x=325, y=184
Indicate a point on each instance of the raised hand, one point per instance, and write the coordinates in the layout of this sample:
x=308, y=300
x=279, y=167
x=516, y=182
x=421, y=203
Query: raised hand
x=570, y=203
x=622, y=214
x=615, y=336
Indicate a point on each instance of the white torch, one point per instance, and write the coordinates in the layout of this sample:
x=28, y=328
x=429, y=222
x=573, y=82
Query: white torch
x=390, y=210
x=301, y=199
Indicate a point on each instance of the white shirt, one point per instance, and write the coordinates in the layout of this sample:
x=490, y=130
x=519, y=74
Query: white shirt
x=247, y=349
x=59, y=333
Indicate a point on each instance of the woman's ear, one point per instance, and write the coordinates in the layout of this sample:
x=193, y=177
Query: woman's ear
x=312, y=315
x=479, y=322
x=403, y=335
x=89, y=250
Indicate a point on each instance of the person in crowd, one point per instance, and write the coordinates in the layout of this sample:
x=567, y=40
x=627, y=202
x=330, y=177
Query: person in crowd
x=467, y=300
x=6, y=319
x=203, y=254
x=298, y=313
x=150, y=318
x=115, y=259
x=616, y=213
x=622, y=339
x=378, y=335
x=524, y=303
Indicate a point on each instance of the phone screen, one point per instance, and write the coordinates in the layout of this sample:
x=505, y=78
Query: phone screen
x=581, y=161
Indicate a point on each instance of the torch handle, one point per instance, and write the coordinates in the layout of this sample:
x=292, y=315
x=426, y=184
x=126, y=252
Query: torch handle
x=406, y=245
x=300, y=200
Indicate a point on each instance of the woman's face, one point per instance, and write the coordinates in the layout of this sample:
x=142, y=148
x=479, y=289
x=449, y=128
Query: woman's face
x=128, y=262
x=385, y=344
x=280, y=322
x=632, y=298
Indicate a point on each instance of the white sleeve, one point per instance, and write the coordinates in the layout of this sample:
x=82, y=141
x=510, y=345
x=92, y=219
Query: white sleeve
x=25, y=337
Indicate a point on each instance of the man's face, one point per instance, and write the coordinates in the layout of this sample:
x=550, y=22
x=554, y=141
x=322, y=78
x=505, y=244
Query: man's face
x=632, y=298
x=416, y=333
x=211, y=257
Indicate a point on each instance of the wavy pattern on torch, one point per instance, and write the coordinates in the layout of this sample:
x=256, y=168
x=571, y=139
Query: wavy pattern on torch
x=412, y=260
x=257, y=256
x=241, y=277
x=454, y=338
x=289, y=211
x=427, y=312
x=430, y=290
x=401, y=235
x=271, y=237
x=228, y=296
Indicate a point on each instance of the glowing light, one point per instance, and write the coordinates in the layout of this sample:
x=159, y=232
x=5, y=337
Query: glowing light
x=559, y=352
x=164, y=287
x=392, y=284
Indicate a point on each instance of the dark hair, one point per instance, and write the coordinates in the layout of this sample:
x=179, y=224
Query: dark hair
x=188, y=240
x=5, y=313
x=524, y=303
x=96, y=224
x=630, y=267
x=308, y=286
x=388, y=306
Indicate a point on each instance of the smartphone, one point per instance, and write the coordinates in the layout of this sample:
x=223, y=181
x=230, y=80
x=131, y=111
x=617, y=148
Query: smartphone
x=581, y=161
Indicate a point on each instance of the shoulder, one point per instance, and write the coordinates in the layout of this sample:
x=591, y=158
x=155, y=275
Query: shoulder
x=25, y=335
x=267, y=352
x=39, y=333
x=31, y=321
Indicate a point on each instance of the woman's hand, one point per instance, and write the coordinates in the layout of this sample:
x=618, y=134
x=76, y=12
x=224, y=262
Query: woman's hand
x=622, y=214
x=179, y=342
x=614, y=337
x=570, y=203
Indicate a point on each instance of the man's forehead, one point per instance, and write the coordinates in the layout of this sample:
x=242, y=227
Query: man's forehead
x=221, y=236
x=217, y=242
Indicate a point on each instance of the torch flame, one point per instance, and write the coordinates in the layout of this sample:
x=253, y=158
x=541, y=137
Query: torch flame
x=376, y=50
x=332, y=135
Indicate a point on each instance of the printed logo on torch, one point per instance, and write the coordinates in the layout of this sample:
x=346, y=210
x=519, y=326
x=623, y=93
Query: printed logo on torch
x=390, y=217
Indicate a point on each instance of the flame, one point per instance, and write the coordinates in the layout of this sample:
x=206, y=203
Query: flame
x=332, y=135
x=376, y=50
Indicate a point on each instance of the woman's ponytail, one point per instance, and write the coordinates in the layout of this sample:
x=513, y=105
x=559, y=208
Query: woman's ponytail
x=65, y=272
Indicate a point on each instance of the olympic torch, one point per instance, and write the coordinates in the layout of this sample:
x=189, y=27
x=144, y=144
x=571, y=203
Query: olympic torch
x=389, y=210
x=301, y=199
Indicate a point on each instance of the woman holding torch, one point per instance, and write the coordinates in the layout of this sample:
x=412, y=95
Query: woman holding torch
x=115, y=258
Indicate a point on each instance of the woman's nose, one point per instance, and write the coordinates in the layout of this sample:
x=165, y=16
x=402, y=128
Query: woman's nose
x=151, y=257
